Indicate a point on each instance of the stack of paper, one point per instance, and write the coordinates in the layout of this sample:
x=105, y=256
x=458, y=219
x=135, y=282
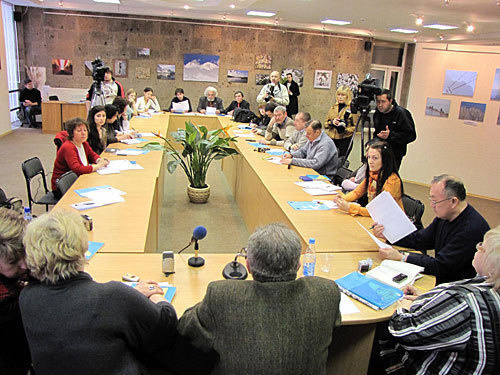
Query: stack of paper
x=317, y=187
x=115, y=166
x=133, y=141
x=315, y=205
x=131, y=151
x=390, y=268
x=100, y=196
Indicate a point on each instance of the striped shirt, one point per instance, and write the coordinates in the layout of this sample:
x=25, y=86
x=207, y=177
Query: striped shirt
x=452, y=329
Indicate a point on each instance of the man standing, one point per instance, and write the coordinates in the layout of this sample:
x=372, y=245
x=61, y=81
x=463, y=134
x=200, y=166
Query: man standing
x=319, y=153
x=293, y=93
x=274, y=91
x=298, y=138
x=393, y=124
x=273, y=324
x=280, y=128
x=453, y=234
x=31, y=101
x=15, y=358
x=111, y=88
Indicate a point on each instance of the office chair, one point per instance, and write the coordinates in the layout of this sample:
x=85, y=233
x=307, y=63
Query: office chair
x=32, y=168
x=53, y=97
x=414, y=209
x=60, y=138
x=64, y=182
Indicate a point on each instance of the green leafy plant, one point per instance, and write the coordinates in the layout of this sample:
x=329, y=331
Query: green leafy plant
x=200, y=148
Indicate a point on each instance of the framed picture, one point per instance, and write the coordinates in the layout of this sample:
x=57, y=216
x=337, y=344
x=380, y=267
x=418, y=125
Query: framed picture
x=164, y=71
x=120, y=68
x=88, y=68
x=262, y=79
x=472, y=111
x=142, y=73
x=202, y=68
x=437, y=107
x=349, y=80
x=237, y=76
x=495, y=90
x=322, y=79
x=62, y=67
x=143, y=52
x=297, y=75
x=263, y=61
x=458, y=82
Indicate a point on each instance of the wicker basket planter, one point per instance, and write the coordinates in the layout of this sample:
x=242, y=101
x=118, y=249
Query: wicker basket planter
x=198, y=195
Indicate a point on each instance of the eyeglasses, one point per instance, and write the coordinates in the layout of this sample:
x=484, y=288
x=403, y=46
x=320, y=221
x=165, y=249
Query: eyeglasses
x=479, y=246
x=433, y=202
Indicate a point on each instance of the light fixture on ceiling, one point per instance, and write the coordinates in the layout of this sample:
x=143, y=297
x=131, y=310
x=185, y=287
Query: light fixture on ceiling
x=419, y=21
x=258, y=13
x=441, y=37
x=108, y=1
x=224, y=16
x=414, y=40
x=446, y=2
x=60, y=3
x=438, y=26
x=470, y=27
x=404, y=31
x=336, y=22
x=186, y=7
x=232, y=6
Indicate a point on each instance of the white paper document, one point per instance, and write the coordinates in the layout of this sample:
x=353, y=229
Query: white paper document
x=181, y=107
x=347, y=306
x=142, y=135
x=211, y=111
x=96, y=193
x=375, y=239
x=115, y=166
x=103, y=200
x=274, y=159
x=129, y=152
x=390, y=268
x=327, y=203
x=384, y=210
x=132, y=141
x=318, y=187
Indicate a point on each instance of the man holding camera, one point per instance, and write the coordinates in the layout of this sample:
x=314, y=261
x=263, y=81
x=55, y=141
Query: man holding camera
x=274, y=91
x=393, y=124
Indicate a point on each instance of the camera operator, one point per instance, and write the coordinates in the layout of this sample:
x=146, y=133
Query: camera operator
x=393, y=124
x=274, y=91
x=111, y=88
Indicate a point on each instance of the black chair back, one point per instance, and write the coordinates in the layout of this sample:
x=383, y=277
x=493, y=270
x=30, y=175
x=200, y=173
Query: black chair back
x=414, y=209
x=65, y=181
x=53, y=97
x=32, y=168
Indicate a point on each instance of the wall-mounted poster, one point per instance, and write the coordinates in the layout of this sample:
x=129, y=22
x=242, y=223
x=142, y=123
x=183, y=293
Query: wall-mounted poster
x=62, y=67
x=322, y=79
x=120, y=68
x=437, y=107
x=495, y=91
x=263, y=61
x=262, y=79
x=204, y=68
x=143, y=52
x=142, y=73
x=164, y=71
x=88, y=68
x=349, y=80
x=237, y=76
x=297, y=75
x=458, y=82
x=472, y=111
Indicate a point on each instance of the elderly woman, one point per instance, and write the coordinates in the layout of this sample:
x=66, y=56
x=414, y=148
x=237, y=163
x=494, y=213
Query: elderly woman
x=340, y=123
x=75, y=325
x=14, y=351
x=210, y=99
x=453, y=328
x=75, y=154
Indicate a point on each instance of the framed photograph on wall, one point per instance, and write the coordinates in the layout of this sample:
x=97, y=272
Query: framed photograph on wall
x=142, y=73
x=62, y=67
x=237, y=76
x=495, y=90
x=262, y=79
x=322, y=79
x=297, y=75
x=263, y=61
x=143, y=53
x=437, y=107
x=164, y=71
x=120, y=68
x=349, y=80
x=472, y=111
x=459, y=82
x=88, y=68
x=202, y=68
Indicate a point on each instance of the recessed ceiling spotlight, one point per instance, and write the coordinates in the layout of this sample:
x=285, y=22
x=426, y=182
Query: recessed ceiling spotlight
x=446, y=2
x=470, y=27
x=232, y=6
x=260, y=14
x=419, y=21
x=438, y=26
x=60, y=3
x=414, y=40
x=186, y=7
x=108, y=1
x=404, y=31
x=441, y=37
x=336, y=22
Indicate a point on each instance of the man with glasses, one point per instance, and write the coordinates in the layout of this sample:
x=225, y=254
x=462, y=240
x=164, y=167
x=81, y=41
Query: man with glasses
x=453, y=234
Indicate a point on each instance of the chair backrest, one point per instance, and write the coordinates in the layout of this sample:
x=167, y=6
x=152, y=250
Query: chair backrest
x=65, y=181
x=60, y=138
x=414, y=209
x=341, y=175
x=53, y=97
x=31, y=168
x=13, y=203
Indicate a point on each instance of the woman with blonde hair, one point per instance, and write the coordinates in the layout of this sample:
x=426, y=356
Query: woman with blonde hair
x=340, y=122
x=75, y=325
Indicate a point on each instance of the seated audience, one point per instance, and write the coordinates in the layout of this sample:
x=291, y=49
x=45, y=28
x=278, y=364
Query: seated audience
x=274, y=324
x=75, y=153
x=75, y=325
x=210, y=99
x=31, y=101
x=180, y=98
x=274, y=91
x=453, y=328
x=238, y=102
x=148, y=102
x=298, y=138
x=340, y=123
x=268, y=120
x=319, y=153
x=453, y=234
x=15, y=356
x=113, y=124
x=97, y=131
x=381, y=175
x=121, y=123
x=280, y=129
x=131, y=98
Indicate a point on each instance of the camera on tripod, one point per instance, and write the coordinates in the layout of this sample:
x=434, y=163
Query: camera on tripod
x=367, y=90
x=98, y=70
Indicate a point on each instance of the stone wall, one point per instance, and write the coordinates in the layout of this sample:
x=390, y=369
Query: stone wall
x=85, y=36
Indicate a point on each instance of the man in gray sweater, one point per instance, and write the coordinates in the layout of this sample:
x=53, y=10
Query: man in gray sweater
x=273, y=324
x=319, y=153
x=298, y=138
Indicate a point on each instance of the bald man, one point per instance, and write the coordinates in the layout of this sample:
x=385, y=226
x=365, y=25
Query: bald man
x=274, y=91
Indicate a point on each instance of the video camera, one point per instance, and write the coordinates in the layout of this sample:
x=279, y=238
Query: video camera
x=98, y=70
x=367, y=90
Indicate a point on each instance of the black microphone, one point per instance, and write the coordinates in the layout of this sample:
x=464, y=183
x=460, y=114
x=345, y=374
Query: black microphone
x=199, y=233
x=235, y=270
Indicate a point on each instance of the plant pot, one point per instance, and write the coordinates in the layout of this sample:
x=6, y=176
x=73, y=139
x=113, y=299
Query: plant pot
x=198, y=195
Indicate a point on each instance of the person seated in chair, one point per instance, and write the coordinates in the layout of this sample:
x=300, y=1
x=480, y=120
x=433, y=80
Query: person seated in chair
x=180, y=98
x=210, y=99
x=238, y=102
x=279, y=129
x=31, y=102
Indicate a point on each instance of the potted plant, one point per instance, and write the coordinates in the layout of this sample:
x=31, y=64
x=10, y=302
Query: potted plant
x=199, y=148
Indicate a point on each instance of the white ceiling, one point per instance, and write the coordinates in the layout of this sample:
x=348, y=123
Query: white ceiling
x=370, y=18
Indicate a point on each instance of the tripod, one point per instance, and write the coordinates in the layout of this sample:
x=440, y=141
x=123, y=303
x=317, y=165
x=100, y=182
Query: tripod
x=364, y=121
x=97, y=95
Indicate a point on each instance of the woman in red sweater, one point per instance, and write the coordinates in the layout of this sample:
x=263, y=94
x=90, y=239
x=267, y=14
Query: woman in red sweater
x=75, y=154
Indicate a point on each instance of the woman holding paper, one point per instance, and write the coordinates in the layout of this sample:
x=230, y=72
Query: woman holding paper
x=381, y=175
x=76, y=154
x=75, y=325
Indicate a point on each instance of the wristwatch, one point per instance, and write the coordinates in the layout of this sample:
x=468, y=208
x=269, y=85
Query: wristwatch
x=405, y=256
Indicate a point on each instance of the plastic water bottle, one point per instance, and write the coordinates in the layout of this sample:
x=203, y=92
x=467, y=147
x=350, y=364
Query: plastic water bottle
x=27, y=214
x=310, y=258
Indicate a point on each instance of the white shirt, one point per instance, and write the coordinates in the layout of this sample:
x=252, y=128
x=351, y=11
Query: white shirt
x=141, y=105
x=82, y=155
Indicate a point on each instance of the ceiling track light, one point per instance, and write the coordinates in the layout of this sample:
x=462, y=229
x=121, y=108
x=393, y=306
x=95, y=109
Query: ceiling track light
x=419, y=21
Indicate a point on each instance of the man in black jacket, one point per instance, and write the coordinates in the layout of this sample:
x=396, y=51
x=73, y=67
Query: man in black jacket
x=31, y=101
x=393, y=124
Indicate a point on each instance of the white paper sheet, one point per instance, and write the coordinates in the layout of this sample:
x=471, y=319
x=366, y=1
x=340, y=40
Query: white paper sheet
x=327, y=203
x=181, y=107
x=131, y=141
x=142, y=135
x=129, y=152
x=211, y=110
x=384, y=210
x=375, y=239
x=274, y=159
x=316, y=192
x=347, y=306
x=94, y=194
x=103, y=200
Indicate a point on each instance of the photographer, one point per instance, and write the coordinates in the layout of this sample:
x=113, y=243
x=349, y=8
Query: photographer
x=393, y=124
x=111, y=88
x=340, y=122
x=274, y=91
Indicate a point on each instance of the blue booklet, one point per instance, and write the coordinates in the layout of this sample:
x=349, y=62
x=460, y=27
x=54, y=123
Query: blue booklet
x=275, y=152
x=93, y=248
x=308, y=206
x=168, y=290
x=369, y=291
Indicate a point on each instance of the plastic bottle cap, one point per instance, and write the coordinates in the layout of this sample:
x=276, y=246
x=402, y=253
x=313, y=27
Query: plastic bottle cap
x=312, y=241
x=27, y=209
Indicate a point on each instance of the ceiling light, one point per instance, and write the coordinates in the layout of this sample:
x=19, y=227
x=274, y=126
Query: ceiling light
x=186, y=7
x=441, y=37
x=470, y=28
x=440, y=27
x=108, y=1
x=260, y=14
x=404, y=31
x=232, y=6
x=446, y=2
x=419, y=21
x=336, y=22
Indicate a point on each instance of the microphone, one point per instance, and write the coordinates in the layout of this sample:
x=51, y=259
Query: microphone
x=199, y=233
x=235, y=270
